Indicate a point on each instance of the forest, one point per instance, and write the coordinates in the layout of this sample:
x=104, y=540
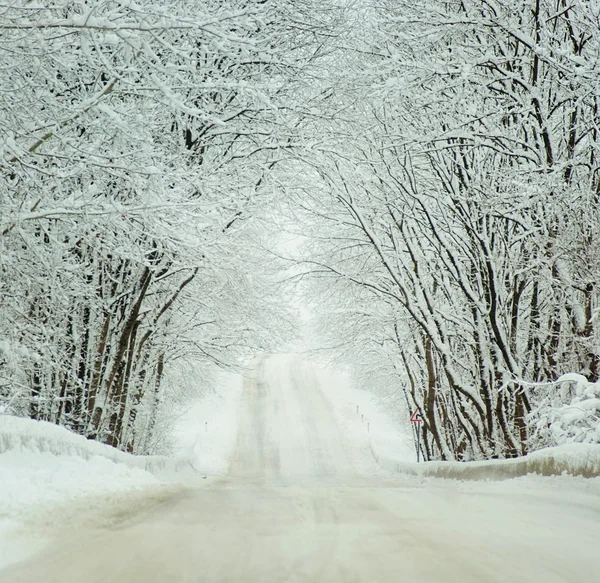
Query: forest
x=436, y=165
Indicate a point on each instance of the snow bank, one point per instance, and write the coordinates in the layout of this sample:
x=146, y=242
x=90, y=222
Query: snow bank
x=32, y=481
x=51, y=478
x=575, y=459
x=367, y=425
x=29, y=436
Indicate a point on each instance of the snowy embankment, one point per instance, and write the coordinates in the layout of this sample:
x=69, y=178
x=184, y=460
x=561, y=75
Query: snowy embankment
x=41, y=464
x=575, y=459
x=26, y=436
x=52, y=479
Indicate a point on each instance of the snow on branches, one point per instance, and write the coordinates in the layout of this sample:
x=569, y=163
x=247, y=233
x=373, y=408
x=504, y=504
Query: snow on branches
x=134, y=140
x=458, y=210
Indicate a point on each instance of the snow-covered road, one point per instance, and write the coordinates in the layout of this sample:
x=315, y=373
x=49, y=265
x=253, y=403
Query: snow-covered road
x=299, y=503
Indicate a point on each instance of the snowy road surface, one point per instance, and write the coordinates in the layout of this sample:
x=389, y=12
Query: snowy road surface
x=300, y=504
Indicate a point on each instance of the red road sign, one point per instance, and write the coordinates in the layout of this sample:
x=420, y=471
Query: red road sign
x=416, y=417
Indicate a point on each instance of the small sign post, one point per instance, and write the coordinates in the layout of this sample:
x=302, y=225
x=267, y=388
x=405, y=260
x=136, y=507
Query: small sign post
x=418, y=419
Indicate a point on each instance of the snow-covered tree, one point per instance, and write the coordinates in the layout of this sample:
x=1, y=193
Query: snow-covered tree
x=460, y=206
x=134, y=145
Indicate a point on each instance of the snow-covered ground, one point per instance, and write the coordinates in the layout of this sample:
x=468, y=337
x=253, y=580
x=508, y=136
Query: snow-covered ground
x=285, y=471
x=51, y=479
x=41, y=492
x=363, y=419
x=206, y=433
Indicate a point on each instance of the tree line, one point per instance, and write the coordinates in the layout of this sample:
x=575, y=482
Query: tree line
x=135, y=139
x=438, y=159
x=455, y=209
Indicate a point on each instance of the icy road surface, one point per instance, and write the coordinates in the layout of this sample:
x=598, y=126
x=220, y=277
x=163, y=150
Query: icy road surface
x=300, y=504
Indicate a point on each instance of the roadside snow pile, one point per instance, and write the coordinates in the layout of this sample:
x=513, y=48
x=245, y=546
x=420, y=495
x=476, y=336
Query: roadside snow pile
x=368, y=427
x=569, y=418
x=50, y=477
x=30, y=480
x=29, y=436
x=575, y=459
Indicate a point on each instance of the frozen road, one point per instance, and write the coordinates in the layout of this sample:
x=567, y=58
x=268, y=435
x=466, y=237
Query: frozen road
x=298, y=505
